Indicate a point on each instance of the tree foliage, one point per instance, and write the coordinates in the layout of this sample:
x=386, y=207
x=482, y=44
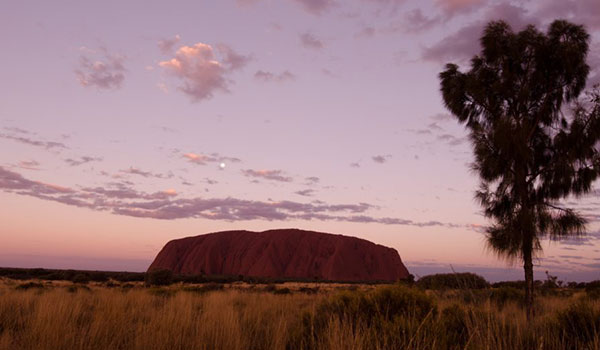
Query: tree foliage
x=534, y=139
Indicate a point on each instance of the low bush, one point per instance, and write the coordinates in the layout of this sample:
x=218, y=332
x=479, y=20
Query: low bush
x=161, y=277
x=391, y=314
x=443, y=281
x=579, y=326
x=29, y=285
x=81, y=278
x=502, y=295
x=454, y=320
x=283, y=290
x=205, y=288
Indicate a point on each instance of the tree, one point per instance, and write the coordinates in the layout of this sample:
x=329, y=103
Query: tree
x=534, y=140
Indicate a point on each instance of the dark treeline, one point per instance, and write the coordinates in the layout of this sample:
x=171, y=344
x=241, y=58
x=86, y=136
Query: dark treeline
x=444, y=281
x=158, y=277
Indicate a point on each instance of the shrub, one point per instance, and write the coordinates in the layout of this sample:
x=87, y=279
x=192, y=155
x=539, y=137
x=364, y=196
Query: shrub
x=579, y=325
x=270, y=288
x=443, y=281
x=592, y=289
x=161, y=292
x=454, y=323
x=391, y=314
x=159, y=277
x=503, y=295
x=209, y=287
x=308, y=290
x=383, y=303
x=29, y=285
x=283, y=290
x=98, y=276
x=81, y=278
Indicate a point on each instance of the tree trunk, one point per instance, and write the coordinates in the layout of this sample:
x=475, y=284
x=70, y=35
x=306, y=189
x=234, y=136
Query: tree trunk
x=528, y=267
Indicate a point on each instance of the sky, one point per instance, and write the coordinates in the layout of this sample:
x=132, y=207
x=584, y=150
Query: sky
x=124, y=125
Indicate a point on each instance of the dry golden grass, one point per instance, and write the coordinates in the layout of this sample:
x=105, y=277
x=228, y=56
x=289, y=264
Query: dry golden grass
x=247, y=317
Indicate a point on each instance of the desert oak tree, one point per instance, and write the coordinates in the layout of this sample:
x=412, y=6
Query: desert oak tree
x=534, y=139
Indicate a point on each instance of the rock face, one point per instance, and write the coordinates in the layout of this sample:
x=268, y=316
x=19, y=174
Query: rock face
x=286, y=253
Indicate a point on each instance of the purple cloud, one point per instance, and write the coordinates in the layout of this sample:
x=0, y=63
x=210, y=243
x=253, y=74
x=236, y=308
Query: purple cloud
x=166, y=45
x=232, y=60
x=121, y=199
x=586, y=12
x=316, y=7
x=274, y=175
x=82, y=160
x=309, y=41
x=381, y=159
x=146, y=174
x=464, y=43
x=452, y=140
x=105, y=71
x=272, y=77
x=305, y=193
x=451, y=8
x=32, y=142
x=312, y=180
x=416, y=22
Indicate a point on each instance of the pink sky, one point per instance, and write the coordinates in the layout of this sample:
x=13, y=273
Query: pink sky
x=126, y=124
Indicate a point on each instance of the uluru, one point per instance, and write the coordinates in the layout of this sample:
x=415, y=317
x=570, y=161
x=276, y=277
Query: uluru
x=282, y=253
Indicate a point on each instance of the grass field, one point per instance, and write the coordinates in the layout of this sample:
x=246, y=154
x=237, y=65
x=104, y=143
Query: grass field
x=111, y=315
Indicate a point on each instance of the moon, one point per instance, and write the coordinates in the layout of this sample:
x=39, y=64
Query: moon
x=222, y=165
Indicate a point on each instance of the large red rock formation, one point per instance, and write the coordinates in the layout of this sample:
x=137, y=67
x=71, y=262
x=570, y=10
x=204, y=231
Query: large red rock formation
x=287, y=253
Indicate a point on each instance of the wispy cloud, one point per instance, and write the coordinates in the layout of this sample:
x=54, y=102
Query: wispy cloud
x=103, y=70
x=166, y=45
x=203, y=159
x=274, y=175
x=416, y=21
x=49, y=145
x=452, y=8
x=316, y=7
x=29, y=165
x=312, y=180
x=146, y=174
x=265, y=76
x=464, y=43
x=82, y=160
x=310, y=41
x=381, y=158
x=452, y=140
x=231, y=59
x=122, y=199
x=305, y=193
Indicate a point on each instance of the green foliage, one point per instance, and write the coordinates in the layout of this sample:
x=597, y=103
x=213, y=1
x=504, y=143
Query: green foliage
x=159, y=277
x=443, y=281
